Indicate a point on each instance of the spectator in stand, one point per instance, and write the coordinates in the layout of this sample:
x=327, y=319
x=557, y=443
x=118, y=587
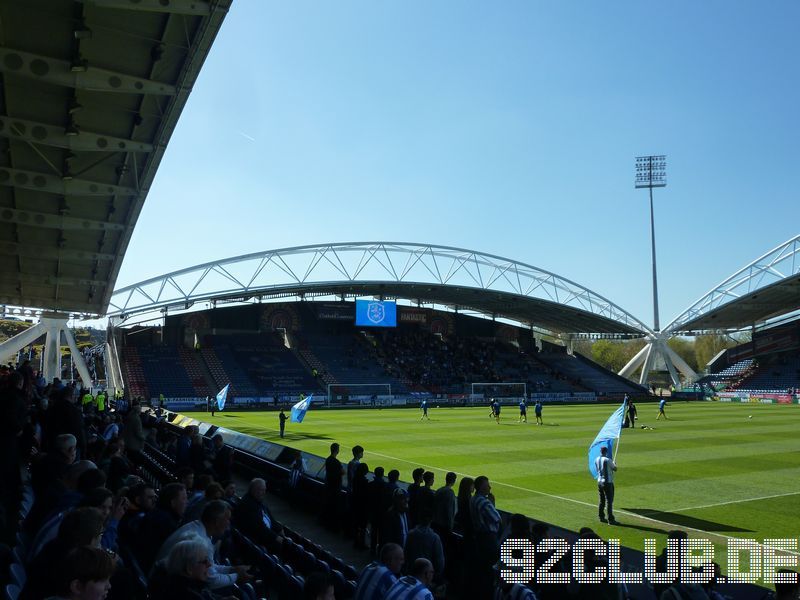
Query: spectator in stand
x=444, y=505
x=376, y=490
x=185, y=475
x=424, y=542
x=413, y=492
x=117, y=466
x=318, y=586
x=377, y=577
x=81, y=527
x=252, y=515
x=197, y=454
x=513, y=591
x=183, y=446
x=333, y=485
x=212, y=525
x=157, y=525
x=51, y=466
x=230, y=493
x=222, y=463
x=359, y=505
x=395, y=527
x=214, y=491
x=64, y=416
x=141, y=500
x=187, y=573
x=62, y=494
x=416, y=585
x=84, y=574
x=133, y=433
x=358, y=454
x=198, y=491
x=392, y=477
x=14, y=415
x=462, y=521
x=485, y=552
x=110, y=427
x=426, y=497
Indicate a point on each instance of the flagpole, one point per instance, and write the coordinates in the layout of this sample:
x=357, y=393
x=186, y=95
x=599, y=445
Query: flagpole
x=619, y=435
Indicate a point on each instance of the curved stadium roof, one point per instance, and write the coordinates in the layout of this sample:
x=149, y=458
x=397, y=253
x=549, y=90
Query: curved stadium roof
x=767, y=288
x=454, y=277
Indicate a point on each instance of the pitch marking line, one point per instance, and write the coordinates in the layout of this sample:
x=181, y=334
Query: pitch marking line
x=655, y=512
x=593, y=505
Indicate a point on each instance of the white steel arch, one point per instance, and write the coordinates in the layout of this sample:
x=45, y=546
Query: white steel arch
x=772, y=267
x=314, y=267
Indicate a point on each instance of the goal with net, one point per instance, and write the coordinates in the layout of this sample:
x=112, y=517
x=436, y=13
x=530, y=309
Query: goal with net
x=480, y=393
x=375, y=394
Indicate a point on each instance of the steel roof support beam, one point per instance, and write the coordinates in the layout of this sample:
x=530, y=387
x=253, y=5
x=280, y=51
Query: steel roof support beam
x=50, y=280
x=39, y=251
x=54, y=136
x=50, y=221
x=199, y=8
x=45, y=182
x=82, y=77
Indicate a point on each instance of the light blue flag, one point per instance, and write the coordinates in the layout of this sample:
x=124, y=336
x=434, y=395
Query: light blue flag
x=222, y=396
x=607, y=437
x=300, y=409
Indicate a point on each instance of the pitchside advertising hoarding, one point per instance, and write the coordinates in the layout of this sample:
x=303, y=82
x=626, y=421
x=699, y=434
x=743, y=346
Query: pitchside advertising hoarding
x=756, y=398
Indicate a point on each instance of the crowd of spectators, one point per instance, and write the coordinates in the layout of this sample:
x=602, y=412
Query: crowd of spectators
x=97, y=528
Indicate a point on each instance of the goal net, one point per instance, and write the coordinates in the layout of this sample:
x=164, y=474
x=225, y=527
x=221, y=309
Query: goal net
x=366, y=394
x=505, y=393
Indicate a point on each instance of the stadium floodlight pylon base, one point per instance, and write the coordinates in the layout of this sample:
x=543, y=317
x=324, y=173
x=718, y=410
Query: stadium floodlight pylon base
x=647, y=357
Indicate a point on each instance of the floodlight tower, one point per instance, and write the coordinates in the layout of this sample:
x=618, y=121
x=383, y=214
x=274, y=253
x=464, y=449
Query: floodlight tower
x=651, y=172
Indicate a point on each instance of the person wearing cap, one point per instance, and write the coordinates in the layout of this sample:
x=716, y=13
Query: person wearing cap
x=395, y=522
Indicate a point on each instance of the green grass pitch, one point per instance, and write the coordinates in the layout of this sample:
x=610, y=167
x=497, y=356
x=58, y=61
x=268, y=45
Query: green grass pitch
x=709, y=469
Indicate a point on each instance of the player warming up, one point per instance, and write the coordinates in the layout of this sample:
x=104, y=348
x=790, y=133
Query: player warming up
x=424, y=408
x=661, y=412
x=523, y=411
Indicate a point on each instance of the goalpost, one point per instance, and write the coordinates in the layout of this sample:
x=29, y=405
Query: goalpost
x=503, y=392
x=367, y=394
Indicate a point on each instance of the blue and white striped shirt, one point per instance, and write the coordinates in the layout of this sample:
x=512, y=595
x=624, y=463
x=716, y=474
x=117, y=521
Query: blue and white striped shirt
x=484, y=515
x=374, y=581
x=409, y=588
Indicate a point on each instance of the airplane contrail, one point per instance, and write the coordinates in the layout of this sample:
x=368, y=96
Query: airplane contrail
x=247, y=137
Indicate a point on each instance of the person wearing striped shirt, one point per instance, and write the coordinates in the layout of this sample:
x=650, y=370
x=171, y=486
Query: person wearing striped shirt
x=415, y=586
x=514, y=591
x=377, y=577
x=485, y=518
x=486, y=524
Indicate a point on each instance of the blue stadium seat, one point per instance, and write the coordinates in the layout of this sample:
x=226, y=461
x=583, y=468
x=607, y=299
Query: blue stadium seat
x=12, y=592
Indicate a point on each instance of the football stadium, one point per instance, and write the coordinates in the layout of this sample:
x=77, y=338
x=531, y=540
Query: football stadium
x=366, y=419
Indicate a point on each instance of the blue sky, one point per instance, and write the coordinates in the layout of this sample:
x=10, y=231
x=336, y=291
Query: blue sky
x=506, y=127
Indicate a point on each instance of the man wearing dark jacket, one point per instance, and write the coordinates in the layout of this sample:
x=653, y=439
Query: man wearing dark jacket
x=252, y=515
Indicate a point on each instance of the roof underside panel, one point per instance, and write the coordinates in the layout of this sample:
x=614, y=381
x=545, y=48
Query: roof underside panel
x=89, y=94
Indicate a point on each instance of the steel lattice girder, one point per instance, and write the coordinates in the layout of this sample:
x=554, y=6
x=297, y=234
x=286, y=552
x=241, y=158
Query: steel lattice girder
x=767, y=287
x=436, y=274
